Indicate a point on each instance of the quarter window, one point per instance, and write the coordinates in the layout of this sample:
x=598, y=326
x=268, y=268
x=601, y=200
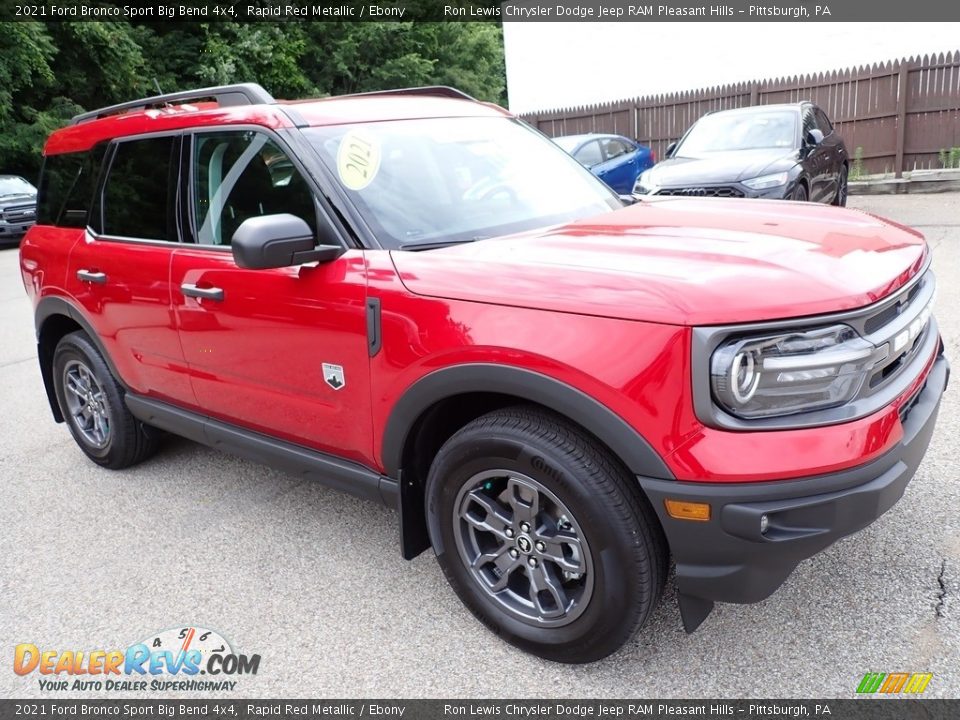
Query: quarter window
x=66, y=187
x=138, y=199
x=240, y=175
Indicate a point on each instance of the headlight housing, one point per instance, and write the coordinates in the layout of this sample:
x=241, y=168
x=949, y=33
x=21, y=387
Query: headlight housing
x=790, y=372
x=765, y=182
x=643, y=185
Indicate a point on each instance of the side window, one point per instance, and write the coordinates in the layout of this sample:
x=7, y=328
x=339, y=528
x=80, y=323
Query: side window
x=138, y=198
x=239, y=175
x=823, y=121
x=614, y=147
x=67, y=184
x=809, y=123
x=589, y=154
x=58, y=176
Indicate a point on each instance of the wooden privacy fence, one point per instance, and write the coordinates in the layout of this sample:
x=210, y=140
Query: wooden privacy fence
x=902, y=115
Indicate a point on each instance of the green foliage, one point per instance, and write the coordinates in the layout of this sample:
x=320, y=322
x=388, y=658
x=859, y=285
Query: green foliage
x=49, y=71
x=950, y=159
x=856, y=170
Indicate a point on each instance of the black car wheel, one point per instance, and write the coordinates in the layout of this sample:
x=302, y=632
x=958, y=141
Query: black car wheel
x=91, y=401
x=840, y=199
x=544, y=536
x=799, y=193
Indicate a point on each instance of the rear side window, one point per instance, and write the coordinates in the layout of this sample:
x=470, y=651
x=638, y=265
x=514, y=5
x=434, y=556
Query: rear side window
x=138, y=197
x=67, y=184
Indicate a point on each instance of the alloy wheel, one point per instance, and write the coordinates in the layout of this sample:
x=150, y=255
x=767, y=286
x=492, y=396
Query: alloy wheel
x=523, y=547
x=86, y=404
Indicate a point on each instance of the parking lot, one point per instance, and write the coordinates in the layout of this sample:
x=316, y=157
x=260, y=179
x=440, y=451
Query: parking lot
x=312, y=580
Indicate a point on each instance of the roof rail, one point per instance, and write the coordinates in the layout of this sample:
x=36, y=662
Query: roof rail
x=432, y=90
x=225, y=95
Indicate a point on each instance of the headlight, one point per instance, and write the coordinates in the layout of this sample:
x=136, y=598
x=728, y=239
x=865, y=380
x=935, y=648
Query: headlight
x=644, y=186
x=765, y=182
x=790, y=372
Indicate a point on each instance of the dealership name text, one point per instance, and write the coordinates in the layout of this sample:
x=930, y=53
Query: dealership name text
x=604, y=12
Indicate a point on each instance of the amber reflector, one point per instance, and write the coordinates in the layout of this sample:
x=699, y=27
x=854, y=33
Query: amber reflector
x=683, y=510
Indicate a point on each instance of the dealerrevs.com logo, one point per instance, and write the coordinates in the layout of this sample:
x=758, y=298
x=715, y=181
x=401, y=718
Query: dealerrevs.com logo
x=179, y=659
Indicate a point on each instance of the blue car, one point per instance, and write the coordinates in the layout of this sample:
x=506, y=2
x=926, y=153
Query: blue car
x=612, y=158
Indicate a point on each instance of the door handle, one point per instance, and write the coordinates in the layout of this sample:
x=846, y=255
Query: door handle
x=211, y=293
x=92, y=276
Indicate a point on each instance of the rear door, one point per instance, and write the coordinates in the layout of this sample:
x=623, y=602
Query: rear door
x=119, y=272
x=281, y=351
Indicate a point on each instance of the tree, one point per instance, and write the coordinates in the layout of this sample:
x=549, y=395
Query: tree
x=51, y=71
x=26, y=54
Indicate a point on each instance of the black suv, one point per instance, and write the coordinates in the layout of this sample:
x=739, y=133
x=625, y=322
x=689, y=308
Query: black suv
x=783, y=152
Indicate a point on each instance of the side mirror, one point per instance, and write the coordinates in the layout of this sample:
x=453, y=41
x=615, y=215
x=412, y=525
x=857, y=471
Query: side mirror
x=273, y=241
x=814, y=137
x=671, y=148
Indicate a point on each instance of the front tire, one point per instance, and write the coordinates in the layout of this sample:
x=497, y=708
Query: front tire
x=91, y=401
x=799, y=193
x=840, y=199
x=544, y=536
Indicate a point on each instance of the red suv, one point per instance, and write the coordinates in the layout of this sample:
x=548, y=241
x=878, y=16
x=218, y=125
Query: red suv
x=558, y=389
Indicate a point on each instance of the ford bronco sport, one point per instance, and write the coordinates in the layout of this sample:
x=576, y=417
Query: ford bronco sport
x=557, y=389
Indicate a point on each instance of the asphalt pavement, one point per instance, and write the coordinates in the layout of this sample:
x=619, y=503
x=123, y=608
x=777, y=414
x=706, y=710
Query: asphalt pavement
x=312, y=580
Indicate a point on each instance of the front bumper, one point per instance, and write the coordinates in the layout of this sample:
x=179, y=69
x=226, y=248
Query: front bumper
x=728, y=559
x=9, y=231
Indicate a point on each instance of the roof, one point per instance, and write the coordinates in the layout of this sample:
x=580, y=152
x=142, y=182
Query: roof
x=158, y=115
x=587, y=136
x=762, y=108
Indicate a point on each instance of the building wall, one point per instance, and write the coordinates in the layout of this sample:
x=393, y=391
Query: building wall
x=553, y=65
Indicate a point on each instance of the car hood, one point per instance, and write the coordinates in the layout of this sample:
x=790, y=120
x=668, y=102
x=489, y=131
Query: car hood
x=18, y=199
x=723, y=167
x=682, y=261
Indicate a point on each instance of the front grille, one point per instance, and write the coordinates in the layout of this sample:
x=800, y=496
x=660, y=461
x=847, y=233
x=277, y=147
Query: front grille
x=875, y=322
x=897, y=326
x=20, y=214
x=723, y=191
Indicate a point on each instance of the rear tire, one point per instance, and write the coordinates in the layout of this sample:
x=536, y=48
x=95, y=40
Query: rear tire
x=544, y=536
x=91, y=401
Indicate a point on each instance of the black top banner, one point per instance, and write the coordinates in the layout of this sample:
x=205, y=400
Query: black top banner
x=301, y=709
x=483, y=11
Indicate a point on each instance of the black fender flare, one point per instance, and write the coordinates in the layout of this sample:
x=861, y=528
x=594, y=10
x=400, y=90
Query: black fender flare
x=47, y=308
x=624, y=441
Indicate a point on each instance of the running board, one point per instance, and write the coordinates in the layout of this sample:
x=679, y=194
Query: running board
x=343, y=475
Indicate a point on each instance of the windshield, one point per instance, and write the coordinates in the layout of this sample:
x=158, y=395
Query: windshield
x=740, y=131
x=13, y=185
x=437, y=181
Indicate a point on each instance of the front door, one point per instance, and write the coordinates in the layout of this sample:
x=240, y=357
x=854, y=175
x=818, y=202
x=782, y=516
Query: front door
x=283, y=351
x=619, y=167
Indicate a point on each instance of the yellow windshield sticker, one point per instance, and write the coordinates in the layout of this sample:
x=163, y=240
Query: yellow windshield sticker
x=358, y=159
